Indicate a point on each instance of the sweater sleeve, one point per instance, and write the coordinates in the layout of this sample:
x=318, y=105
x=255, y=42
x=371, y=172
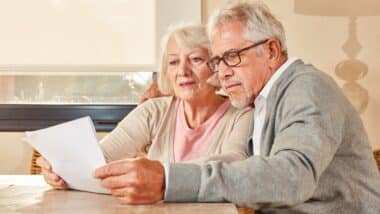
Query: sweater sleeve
x=132, y=134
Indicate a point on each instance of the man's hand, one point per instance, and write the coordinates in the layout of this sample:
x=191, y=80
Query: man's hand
x=50, y=177
x=152, y=92
x=133, y=181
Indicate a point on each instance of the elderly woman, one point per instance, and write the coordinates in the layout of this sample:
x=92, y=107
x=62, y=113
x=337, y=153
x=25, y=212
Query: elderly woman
x=193, y=124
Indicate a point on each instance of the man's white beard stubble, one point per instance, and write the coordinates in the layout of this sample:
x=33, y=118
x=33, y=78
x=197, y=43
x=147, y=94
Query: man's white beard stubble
x=242, y=102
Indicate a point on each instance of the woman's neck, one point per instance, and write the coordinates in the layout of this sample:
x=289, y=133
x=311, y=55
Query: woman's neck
x=199, y=110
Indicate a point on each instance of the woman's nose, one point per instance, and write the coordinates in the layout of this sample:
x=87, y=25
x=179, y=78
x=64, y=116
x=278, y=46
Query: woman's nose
x=184, y=68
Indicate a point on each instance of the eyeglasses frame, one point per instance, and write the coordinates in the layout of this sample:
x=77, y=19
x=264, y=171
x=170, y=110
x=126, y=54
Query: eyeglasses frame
x=237, y=52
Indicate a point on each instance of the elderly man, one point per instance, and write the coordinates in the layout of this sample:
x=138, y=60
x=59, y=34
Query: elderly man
x=310, y=152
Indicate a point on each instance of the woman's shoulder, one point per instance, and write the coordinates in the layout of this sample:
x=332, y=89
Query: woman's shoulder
x=240, y=119
x=159, y=104
x=159, y=101
x=233, y=111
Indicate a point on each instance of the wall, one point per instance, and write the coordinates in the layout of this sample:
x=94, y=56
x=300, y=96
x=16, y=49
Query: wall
x=15, y=154
x=319, y=32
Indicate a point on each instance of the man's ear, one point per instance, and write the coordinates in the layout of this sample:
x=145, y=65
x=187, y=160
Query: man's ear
x=274, y=47
x=274, y=53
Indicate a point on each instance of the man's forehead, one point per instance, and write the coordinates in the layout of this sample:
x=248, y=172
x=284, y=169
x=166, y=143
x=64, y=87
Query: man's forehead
x=227, y=37
x=226, y=30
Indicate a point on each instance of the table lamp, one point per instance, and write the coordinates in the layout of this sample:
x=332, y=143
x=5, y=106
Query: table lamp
x=350, y=69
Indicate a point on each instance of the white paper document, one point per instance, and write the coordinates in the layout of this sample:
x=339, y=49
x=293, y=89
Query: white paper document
x=73, y=151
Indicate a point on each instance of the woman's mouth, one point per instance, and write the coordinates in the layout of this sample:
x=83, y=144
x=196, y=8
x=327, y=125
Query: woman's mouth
x=186, y=84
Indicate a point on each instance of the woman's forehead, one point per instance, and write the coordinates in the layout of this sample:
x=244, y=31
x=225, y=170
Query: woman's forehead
x=175, y=47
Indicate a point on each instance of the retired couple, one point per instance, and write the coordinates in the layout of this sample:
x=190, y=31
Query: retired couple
x=302, y=150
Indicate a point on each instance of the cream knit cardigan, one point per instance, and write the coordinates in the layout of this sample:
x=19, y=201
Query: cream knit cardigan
x=149, y=128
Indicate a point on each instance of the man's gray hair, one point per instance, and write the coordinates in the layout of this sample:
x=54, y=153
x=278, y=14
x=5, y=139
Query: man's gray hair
x=187, y=35
x=259, y=22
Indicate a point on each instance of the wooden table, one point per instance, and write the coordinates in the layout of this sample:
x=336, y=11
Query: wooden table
x=30, y=194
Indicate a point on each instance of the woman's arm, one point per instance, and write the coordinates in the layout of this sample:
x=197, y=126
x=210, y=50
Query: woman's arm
x=131, y=135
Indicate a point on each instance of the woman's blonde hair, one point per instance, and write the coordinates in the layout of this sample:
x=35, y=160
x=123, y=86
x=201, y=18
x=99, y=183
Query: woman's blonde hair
x=188, y=35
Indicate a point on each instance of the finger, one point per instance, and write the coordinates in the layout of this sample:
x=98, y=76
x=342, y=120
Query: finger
x=143, y=99
x=61, y=185
x=113, y=169
x=121, y=192
x=115, y=182
x=136, y=199
x=51, y=181
x=50, y=175
x=43, y=163
x=132, y=192
x=55, y=181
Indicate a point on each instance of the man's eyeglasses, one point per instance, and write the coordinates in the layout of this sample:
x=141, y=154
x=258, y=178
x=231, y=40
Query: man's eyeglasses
x=230, y=58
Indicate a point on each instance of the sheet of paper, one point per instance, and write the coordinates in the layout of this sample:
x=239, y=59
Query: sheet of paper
x=73, y=150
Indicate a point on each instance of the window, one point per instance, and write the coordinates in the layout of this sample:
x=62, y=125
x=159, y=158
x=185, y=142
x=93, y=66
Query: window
x=83, y=51
x=62, y=59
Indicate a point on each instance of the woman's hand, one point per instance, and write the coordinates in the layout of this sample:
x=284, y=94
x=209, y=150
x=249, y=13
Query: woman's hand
x=50, y=177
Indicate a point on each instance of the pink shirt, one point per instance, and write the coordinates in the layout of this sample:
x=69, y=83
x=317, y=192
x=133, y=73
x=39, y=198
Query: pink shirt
x=191, y=143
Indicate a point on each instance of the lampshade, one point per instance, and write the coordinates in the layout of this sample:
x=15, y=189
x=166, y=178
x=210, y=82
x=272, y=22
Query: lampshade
x=337, y=7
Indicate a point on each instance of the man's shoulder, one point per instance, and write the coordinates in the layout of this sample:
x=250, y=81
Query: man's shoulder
x=303, y=84
x=307, y=89
x=305, y=72
x=305, y=77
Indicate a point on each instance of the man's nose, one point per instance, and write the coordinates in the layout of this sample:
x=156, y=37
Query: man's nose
x=224, y=71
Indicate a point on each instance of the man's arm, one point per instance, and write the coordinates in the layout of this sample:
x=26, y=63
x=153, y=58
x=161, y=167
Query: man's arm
x=307, y=136
x=152, y=92
x=303, y=146
x=254, y=182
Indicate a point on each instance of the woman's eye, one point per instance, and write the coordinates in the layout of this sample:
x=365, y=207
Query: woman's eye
x=197, y=59
x=173, y=62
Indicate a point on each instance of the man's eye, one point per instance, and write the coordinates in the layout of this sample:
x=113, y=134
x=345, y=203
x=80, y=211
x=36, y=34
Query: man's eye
x=231, y=56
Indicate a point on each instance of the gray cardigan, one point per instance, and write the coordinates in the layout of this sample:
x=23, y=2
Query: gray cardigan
x=315, y=156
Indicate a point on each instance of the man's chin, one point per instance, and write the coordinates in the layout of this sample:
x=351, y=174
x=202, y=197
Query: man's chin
x=240, y=103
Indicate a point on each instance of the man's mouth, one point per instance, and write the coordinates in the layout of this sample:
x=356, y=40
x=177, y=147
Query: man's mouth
x=231, y=85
